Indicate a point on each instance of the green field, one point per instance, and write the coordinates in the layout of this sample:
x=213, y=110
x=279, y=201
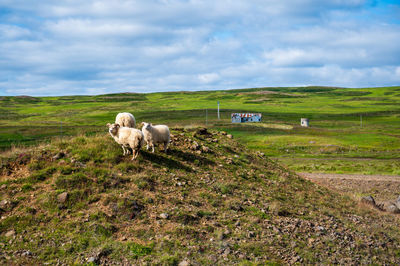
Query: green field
x=336, y=142
x=211, y=200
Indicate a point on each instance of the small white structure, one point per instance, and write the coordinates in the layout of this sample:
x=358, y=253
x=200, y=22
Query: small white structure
x=245, y=117
x=305, y=122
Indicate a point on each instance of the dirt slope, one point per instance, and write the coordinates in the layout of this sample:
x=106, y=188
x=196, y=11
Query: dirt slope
x=208, y=201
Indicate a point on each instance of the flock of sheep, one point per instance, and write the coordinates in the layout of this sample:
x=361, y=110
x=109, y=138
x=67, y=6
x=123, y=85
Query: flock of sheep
x=125, y=134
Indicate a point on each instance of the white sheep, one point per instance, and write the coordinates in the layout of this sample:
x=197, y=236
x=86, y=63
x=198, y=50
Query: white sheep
x=127, y=137
x=155, y=134
x=125, y=120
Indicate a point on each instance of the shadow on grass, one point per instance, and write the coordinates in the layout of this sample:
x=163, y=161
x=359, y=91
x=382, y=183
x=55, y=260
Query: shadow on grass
x=190, y=157
x=164, y=161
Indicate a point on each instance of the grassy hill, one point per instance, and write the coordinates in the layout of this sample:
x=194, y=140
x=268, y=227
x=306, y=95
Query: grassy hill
x=210, y=200
x=337, y=141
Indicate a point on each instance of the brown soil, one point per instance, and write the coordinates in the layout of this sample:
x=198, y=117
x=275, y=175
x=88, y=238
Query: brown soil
x=381, y=187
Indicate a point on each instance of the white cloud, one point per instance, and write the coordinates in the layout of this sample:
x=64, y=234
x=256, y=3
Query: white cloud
x=397, y=73
x=208, y=78
x=100, y=46
x=315, y=56
x=11, y=32
x=87, y=28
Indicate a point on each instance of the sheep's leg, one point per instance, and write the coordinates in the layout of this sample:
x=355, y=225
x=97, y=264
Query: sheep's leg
x=123, y=148
x=134, y=155
x=165, y=146
x=152, y=146
x=147, y=146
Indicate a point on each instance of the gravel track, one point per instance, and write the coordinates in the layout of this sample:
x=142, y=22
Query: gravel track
x=313, y=176
x=381, y=187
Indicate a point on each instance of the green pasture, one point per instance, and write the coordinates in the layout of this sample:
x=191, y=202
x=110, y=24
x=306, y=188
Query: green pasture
x=345, y=123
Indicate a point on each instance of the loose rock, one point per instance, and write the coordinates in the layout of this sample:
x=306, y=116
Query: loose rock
x=59, y=155
x=4, y=204
x=91, y=260
x=195, y=146
x=397, y=203
x=368, y=200
x=251, y=234
x=226, y=252
x=205, y=149
x=164, y=215
x=184, y=263
x=62, y=198
x=26, y=253
x=10, y=233
x=392, y=208
x=202, y=131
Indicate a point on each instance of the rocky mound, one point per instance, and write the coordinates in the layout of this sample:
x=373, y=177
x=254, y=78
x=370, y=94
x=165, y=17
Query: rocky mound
x=209, y=200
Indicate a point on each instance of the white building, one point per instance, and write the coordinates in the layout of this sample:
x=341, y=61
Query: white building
x=304, y=122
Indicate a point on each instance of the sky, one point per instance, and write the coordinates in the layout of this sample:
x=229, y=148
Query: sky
x=71, y=47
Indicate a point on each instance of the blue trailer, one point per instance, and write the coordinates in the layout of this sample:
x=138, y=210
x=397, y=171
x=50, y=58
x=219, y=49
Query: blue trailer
x=245, y=117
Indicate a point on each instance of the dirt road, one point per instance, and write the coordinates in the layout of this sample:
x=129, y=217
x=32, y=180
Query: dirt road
x=381, y=187
x=313, y=176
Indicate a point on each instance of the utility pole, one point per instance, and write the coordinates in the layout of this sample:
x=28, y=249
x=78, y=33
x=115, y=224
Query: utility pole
x=218, y=110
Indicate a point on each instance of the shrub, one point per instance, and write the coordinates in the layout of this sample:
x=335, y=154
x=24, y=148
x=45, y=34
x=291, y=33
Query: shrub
x=41, y=175
x=77, y=180
x=36, y=165
x=26, y=187
x=66, y=170
x=139, y=250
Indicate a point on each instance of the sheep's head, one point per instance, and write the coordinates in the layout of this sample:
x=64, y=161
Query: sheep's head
x=146, y=126
x=113, y=128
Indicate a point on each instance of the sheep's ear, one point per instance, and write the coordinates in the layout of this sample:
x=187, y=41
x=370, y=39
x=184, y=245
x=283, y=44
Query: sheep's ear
x=108, y=124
